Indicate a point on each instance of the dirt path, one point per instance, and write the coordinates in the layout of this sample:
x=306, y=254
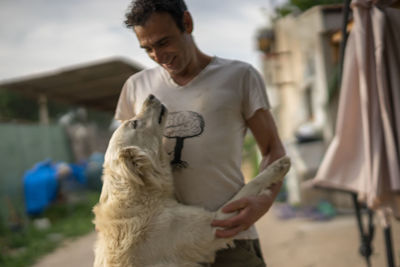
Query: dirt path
x=285, y=243
x=75, y=253
x=303, y=243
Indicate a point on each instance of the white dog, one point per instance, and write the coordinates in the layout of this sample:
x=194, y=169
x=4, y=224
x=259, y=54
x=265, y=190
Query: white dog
x=139, y=221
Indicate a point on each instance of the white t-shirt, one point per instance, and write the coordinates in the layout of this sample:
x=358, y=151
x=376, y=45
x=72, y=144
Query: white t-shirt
x=205, y=128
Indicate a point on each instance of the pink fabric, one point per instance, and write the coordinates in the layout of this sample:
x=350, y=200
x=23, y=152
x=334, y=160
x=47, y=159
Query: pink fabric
x=364, y=155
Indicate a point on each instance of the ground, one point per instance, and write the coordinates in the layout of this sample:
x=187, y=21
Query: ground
x=286, y=243
x=335, y=243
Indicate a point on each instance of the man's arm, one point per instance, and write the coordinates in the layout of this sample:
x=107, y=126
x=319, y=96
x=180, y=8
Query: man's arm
x=250, y=209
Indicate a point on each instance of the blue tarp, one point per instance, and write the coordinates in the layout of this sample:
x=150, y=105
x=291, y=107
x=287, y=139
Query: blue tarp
x=41, y=185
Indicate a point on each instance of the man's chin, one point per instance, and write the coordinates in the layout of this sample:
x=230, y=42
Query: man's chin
x=171, y=71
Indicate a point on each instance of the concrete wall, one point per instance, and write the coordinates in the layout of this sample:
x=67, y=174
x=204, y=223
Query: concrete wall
x=298, y=66
x=302, y=59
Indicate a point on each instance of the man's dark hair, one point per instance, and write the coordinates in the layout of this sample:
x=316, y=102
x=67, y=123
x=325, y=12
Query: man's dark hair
x=140, y=10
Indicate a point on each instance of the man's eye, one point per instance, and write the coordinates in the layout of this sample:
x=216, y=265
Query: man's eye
x=134, y=124
x=146, y=49
x=163, y=43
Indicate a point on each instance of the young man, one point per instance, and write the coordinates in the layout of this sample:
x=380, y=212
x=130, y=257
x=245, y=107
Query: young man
x=211, y=102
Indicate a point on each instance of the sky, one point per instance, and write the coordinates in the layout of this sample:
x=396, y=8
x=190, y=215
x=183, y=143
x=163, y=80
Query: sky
x=37, y=36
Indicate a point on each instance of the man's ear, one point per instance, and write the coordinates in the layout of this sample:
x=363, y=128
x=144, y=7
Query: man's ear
x=133, y=163
x=187, y=22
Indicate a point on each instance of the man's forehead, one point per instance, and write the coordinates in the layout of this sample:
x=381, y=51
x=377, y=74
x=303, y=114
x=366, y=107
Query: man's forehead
x=157, y=20
x=149, y=39
x=156, y=29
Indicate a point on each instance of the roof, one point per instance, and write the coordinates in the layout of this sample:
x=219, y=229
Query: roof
x=94, y=85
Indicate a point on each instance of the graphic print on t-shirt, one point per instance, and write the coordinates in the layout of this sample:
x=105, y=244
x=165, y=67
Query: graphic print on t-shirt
x=181, y=125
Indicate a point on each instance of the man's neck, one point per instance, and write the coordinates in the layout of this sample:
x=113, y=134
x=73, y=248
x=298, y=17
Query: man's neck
x=199, y=62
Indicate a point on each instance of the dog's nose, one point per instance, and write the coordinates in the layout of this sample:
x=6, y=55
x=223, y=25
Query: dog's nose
x=151, y=97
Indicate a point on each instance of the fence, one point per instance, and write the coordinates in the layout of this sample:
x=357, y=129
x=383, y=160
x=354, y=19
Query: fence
x=21, y=146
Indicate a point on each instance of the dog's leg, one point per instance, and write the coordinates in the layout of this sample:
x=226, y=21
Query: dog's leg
x=274, y=173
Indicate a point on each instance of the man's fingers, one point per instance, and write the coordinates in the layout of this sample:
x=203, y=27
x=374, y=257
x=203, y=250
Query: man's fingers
x=235, y=205
x=232, y=222
x=229, y=223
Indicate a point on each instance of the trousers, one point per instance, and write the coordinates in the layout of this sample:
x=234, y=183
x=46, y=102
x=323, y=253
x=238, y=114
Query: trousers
x=245, y=253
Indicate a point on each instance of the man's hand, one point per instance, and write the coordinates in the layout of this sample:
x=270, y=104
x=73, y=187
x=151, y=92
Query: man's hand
x=250, y=210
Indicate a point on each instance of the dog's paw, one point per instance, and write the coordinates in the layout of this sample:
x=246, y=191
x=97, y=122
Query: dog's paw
x=130, y=153
x=266, y=192
x=279, y=168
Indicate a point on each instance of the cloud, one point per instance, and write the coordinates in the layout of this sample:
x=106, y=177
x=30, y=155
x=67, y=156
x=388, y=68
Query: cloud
x=41, y=35
x=232, y=35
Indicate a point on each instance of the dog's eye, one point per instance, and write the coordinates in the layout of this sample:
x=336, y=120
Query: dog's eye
x=134, y=124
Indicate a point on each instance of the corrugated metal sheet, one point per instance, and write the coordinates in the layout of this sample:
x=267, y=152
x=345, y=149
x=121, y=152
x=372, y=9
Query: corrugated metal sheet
x=95, y=85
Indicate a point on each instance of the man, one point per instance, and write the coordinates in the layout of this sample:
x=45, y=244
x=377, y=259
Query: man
x=211, y=103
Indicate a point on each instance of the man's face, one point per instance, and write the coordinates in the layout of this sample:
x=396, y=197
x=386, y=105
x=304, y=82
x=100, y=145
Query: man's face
x=165, y=43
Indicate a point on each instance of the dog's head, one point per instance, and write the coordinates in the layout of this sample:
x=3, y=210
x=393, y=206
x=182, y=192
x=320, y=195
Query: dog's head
x=136, y=147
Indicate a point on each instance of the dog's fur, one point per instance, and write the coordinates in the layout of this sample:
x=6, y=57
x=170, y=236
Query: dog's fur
x=139, y=221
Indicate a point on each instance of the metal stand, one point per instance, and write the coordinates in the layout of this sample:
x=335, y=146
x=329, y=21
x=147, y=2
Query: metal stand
x=366, y=237
x=389, y=248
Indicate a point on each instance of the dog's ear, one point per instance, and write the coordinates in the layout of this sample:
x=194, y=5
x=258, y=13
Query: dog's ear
x=133, y=163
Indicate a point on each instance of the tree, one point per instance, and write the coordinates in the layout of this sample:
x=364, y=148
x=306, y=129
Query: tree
x=301, y=5
x=180, y=126
x=16, y=107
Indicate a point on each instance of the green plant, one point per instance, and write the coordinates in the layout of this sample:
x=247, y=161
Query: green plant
x=250, y=153
x=22, y=248
x=301, y=5
x=15, y=106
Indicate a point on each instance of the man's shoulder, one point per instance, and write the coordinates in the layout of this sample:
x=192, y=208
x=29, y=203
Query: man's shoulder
x=144, y=74
x=234, y=63
x=234, y=67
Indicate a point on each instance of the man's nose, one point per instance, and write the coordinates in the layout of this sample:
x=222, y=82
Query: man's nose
x=157, y=55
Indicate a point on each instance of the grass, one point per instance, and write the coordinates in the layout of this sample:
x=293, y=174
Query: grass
x=23, y=247
x=250, y=153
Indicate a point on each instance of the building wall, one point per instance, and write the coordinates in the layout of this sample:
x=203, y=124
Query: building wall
x=299, y=68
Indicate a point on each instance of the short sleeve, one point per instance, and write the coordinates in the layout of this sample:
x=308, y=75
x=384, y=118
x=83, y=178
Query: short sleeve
x=126, y=102
x=254, y=94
